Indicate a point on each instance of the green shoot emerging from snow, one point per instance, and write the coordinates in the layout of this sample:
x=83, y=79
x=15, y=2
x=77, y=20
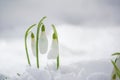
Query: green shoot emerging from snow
x=41, y=41
x=116, y=72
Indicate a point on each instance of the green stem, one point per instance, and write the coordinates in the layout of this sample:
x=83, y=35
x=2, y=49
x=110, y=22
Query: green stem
x=117, y=53
x=56, y=36
x=37, y=39
x=58, y=62
x=26, y=34
x=116, y=69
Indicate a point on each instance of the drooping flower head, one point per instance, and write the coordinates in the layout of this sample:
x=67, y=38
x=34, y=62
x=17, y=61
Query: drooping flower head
x=54, y=49
x=40, y=43
x=43, y=41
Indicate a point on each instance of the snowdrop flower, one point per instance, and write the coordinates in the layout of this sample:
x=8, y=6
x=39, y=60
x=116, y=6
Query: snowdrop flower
x=33, y=46
x=43, y=41
x=54, y=49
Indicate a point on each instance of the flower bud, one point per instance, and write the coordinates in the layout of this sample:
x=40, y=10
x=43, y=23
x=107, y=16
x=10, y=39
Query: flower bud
x=43, y=41
x=33, y=46
x=54, y=49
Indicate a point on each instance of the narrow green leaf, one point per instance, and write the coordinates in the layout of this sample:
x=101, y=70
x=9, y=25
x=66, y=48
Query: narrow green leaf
x=117, y=53
x=116, y=69
x=58, y=62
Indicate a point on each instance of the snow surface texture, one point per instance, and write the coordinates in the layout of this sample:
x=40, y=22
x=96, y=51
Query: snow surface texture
x=85, y=54
x=80, y=71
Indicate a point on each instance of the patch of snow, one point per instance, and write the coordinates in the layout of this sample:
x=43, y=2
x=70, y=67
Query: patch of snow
x=85, y=54
x=89, y=70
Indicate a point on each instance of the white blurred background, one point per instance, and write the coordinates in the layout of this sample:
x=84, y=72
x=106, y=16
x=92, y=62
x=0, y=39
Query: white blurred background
x=88, y=29
x=17, y=15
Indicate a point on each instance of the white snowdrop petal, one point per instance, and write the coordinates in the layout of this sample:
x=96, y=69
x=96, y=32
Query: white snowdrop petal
x=54, y=50
x=33, y=46
x=43, y=43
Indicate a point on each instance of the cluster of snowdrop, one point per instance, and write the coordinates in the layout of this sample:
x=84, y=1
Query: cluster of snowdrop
x=39, y=43
x=116, y=64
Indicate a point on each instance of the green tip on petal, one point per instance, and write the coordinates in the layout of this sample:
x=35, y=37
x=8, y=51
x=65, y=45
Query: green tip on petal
x=43, y=28
x=32, y=35
x=54, y=36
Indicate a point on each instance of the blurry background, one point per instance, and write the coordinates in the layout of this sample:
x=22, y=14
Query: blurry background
x=91, y=27
x=17, y=15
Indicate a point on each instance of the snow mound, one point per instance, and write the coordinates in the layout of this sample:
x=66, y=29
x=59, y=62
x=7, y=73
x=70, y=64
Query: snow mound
x=88, y=70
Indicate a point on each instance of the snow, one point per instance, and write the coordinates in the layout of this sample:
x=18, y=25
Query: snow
x=85, y=54
x=85, y=46
x=91, y=70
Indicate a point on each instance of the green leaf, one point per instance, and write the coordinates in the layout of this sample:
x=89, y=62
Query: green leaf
x=117, y=53
x=116, y=69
